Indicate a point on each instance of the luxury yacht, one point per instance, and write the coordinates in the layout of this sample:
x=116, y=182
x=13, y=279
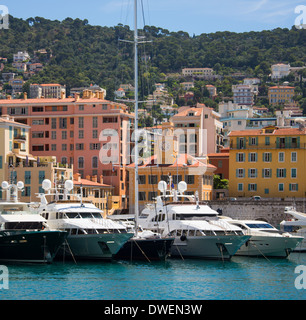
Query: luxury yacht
x=197, y=229
x=25, y=236
x=90, y=236
x=266, y=240
x=296, y=226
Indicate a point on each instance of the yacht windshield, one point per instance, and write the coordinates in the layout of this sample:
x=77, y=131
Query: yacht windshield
x=194, y=216
x=78, y=215
x=259, y=225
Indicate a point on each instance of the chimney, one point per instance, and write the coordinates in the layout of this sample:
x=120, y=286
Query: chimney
x=88, y=177
x=76, y=96
x=77, y=177
x=101, y=179
x=62, y=94
x=25, y=95
x=9, y=97
x=94, y=179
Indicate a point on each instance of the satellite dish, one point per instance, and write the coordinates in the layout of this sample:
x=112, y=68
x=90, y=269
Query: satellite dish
x=20, y=185
x=4, y=185
x=46, y=184
x=182, y=186
x=69, y=185
x=162, y=186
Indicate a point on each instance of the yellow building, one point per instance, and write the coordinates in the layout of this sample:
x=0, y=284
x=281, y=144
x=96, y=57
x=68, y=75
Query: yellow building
x=280, y=95
x=17, y=164
x=268, y=162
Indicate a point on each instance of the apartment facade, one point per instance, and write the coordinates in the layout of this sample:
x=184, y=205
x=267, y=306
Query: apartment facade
x=244, y=94
x=47, y=90
x=202, y=130
x=269, y=162
x=279, y=71
x=91, y=133
x=280, y=95
x=18, y=164
x=202, y=72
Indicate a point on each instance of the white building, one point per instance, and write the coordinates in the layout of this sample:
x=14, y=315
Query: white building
x=21, y=56
x=279, y=71
x=244, y=94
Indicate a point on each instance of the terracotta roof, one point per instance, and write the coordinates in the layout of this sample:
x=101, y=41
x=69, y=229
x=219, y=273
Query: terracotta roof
x=224, y=154
x=276, y=132
x=10, y=121
x=86, y=182
x=281, y=87
x=184, y=113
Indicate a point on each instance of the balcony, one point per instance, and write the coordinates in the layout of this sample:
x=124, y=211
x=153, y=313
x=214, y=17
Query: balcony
x=20, y=137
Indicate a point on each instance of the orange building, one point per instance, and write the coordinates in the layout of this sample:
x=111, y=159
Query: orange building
x=221, y=162
x=76, y=131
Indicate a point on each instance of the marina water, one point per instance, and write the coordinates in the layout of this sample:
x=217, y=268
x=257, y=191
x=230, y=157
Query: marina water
x=242, y=278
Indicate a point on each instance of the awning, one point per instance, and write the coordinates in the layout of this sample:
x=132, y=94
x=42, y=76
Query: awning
x=29, y=157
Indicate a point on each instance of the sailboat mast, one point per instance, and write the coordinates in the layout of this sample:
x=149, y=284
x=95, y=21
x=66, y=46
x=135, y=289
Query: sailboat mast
x=136, y=113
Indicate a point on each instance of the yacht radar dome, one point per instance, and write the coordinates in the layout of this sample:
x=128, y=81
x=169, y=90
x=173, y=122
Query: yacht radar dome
x=4, y=185
x=46, y=184
x=69, y=185
x=182, y=187
x=20, y=185
x=162, y=186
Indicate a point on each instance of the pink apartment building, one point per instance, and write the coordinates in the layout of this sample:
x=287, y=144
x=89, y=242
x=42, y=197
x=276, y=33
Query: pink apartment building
x=75, y=130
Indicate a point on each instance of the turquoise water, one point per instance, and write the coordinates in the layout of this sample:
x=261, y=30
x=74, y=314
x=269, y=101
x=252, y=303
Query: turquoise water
x=241, y=278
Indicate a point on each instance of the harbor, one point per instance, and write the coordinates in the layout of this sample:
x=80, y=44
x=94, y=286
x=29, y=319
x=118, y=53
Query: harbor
x=242, y=278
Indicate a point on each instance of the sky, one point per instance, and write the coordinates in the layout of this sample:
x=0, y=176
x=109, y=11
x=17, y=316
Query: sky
x=192, y=16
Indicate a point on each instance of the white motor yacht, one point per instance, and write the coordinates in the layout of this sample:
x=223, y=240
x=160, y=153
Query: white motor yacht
x=295, y=224
x=25, y=236
x=90, y=236
x=197, y=230
x=266, y=240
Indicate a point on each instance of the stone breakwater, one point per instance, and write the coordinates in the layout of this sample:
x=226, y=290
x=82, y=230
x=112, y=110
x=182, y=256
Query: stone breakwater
x=271, y=211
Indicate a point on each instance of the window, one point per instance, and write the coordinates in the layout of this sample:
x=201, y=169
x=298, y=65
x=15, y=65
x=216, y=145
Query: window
x=95, y=122
x=81, y=134
x=293, y=172
x=64, y=160
x=281, y=157
x=240, y=157
x=27, y=177
x=267, y=141
x=94, y=146
x=41, y=176
x=280, y=187
x=141, y=196
x=253, y=141
x=267, y=173
x=53, y=123
x=240, y=173
x=266, y=191
x=63, y=123
x=64, y=147
x=94, y=134
x=293, y=157
x=281, y=173
x=53, y=135
x=81, y=162
x=252, y=173
x=79, y=146
x=267, y=157
x=189, y=179
x=81, y=107
x=153, y=179
x=81, y=122
x=293, y=187
x=64, y=135
x=253, y=157
x=252, y=187
x=142, y=179
x=95, y=162
x=152, y=195
x=240, y=186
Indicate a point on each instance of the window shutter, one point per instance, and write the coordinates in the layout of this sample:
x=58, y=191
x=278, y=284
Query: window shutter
x=289, y=186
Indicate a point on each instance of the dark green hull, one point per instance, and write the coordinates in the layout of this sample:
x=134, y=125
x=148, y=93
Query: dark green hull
x=30, y=246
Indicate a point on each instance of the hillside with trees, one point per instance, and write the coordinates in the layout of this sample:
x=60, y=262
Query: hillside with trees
x=80, y=54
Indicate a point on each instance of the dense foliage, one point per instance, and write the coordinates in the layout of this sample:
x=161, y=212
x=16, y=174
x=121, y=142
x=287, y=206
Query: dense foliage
x=80, y=54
